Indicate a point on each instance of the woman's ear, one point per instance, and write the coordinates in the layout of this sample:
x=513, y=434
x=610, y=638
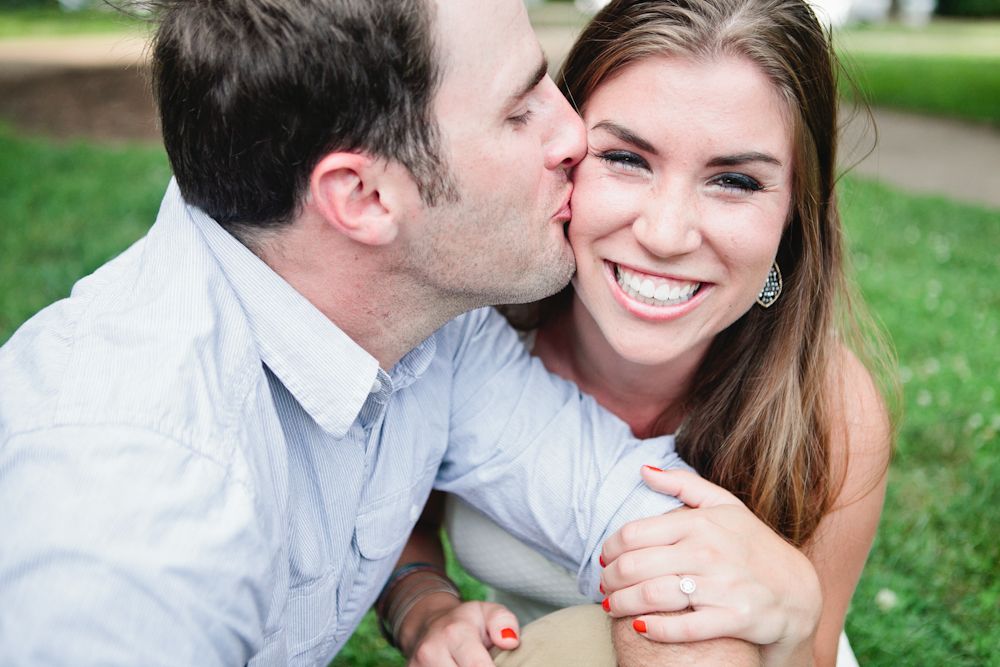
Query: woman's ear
x=354, y=194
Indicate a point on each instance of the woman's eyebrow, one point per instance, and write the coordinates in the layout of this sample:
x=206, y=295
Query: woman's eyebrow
x=743, y=158
x=626, y=135
x=735, y=160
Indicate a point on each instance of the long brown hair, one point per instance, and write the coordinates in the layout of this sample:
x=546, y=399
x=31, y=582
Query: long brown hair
x=758, y=416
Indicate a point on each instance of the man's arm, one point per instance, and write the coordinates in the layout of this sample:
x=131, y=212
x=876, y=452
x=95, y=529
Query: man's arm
x=123, y=547
x=556, y=469
x=633, y=650
x=440, y=628
x=538, y=457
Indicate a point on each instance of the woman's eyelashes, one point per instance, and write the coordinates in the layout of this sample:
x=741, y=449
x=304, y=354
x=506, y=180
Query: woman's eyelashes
x=737, y=182
x=629, y=161
x=621, y=159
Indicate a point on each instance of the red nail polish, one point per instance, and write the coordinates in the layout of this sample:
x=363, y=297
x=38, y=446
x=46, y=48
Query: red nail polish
x=601, y=561
x=639, y=625
x=508, y=633
x=654, y=468
x=600, y=587
x=607, y=605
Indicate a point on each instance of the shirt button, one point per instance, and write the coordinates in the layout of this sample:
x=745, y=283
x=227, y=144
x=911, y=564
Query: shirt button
x=376, y=386
x=414, y=512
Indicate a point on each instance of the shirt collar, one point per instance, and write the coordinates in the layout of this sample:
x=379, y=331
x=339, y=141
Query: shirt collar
x=413, y=364
x=328, y=373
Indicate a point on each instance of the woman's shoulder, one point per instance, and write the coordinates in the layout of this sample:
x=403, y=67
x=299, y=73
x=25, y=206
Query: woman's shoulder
x=855, y=393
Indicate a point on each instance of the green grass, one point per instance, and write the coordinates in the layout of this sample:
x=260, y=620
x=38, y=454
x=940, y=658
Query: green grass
x=948, y=68
x=962, y=87
x=54, y=22
x=927, y=266
x=64, y=211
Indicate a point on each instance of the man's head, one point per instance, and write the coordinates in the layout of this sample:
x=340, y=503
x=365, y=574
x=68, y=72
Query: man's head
x=267, y=104
x=252, y=93
x=509, y=138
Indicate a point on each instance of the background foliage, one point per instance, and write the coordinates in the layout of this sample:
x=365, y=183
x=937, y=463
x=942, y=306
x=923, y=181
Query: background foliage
x=970, y=8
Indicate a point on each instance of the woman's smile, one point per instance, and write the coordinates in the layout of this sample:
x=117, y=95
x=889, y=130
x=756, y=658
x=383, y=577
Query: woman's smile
x=653, y=297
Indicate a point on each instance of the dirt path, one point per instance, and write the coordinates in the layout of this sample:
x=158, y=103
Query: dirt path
x=928, y=155
x=95, y=87
x=92, y=86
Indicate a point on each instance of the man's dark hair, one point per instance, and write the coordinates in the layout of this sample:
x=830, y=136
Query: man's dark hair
x=252, y=94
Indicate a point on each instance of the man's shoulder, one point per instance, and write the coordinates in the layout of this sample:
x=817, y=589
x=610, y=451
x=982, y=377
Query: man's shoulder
x=143, y=341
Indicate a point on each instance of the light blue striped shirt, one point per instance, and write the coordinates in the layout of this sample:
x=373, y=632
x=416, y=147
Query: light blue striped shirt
x=199, y=468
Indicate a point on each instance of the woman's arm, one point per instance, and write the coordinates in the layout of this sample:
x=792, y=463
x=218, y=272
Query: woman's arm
x=861, y=447
x=751, y=583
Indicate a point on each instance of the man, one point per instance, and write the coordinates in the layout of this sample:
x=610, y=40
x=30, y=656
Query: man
x=213, y=452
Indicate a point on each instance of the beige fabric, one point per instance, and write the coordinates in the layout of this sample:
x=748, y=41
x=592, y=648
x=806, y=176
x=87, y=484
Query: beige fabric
x=575, y=636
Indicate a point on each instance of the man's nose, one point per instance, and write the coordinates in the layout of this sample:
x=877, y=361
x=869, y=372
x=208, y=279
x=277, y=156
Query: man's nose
x=568, y=142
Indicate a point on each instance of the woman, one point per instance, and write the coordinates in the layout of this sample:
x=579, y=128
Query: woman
x=710, y=302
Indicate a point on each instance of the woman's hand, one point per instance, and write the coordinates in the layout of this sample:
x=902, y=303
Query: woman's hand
x=462, y=635
x=749, y=582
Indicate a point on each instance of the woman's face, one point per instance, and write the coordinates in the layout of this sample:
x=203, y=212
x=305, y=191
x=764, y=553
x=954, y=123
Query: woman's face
x=680, y=203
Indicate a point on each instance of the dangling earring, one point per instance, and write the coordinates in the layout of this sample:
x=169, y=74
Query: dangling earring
x=772, y=287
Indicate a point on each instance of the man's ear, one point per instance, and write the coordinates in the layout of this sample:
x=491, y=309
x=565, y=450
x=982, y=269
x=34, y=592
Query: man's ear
x=356, y=195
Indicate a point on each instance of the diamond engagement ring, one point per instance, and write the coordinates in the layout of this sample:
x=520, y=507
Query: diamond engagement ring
x=688, y=587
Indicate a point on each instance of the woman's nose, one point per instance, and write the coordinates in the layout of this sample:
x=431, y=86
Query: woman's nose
x=670, y=225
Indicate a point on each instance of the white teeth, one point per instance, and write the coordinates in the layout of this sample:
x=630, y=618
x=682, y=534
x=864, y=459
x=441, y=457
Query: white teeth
x=649, y=292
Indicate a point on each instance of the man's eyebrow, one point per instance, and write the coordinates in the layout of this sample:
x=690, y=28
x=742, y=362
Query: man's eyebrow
x=743, y=158
x=626, y=135
x=540, y=73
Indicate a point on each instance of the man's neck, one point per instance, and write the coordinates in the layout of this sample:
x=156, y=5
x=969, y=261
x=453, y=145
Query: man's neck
x=357, y=290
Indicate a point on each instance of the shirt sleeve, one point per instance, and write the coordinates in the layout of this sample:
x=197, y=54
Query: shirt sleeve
x=538, y=456
x=122, y=547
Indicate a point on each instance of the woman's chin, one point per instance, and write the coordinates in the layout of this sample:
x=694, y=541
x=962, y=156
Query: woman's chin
x=650, y=355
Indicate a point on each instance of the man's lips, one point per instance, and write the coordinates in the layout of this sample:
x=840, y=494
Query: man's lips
x=565, y=212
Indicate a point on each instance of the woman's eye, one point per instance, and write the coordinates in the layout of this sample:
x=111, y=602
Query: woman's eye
x=622, y=160
x=739, y=182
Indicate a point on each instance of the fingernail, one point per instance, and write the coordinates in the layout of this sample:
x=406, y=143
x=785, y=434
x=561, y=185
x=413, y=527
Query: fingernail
x=607, y=605
x=600, y=587
x=601, y=561
x=653, y=468
x=508, y=633
x=639, y=625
